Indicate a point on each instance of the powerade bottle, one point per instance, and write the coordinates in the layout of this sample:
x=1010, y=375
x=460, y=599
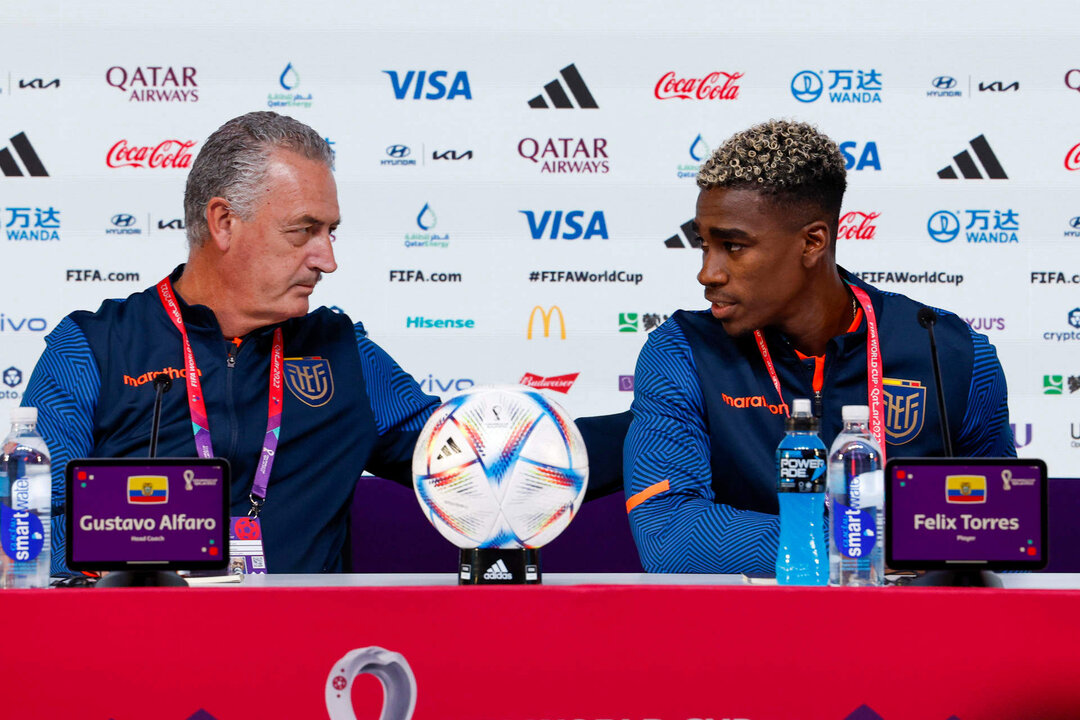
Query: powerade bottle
x=25, y=504
x=800, y=486
x=856, y=504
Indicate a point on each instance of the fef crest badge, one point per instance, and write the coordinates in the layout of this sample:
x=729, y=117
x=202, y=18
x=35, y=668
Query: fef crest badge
x=905, y=409
x=310, y=380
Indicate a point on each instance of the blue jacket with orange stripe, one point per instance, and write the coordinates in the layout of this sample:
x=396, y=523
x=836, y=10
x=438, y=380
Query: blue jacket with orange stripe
x=94, y=397
x=699, y=459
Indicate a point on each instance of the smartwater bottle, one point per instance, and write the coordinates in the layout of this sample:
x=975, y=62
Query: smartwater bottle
x=800, y=486
x=25, y=504
x=856, y=504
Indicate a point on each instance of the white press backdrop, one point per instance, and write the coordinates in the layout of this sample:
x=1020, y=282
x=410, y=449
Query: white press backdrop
x=341, y=66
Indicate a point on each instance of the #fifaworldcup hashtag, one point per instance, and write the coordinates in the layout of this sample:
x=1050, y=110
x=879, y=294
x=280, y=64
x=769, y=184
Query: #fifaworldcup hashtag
x=584, y=276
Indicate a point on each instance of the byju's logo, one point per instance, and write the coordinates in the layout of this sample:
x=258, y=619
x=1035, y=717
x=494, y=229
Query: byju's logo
x=699, y=153
x=569, y=222
x=123, y=224
x=558, y=96
x=717, y=85
x=289, y=81
x=1072, y=158
x=688, y=239
x=13, y=377
x=982, y=227
x=426, y=220
x=626, y=383
x=986, y=324
x=846, y=86
x=944, y=86
x=398, y=155
x=968, y=168
x=27, y=154
x=868, y=157
x=567, y=155
x=856, y=225
x=435, y=81
x=155, y=83
x=44, y=226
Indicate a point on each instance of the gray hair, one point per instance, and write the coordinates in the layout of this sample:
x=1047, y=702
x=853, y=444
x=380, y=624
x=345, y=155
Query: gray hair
x=232, y=164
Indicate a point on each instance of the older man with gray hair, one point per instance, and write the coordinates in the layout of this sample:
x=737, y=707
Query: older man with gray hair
x=261, y=211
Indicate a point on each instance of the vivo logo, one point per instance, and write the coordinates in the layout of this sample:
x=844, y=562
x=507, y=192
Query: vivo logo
x=12, y=324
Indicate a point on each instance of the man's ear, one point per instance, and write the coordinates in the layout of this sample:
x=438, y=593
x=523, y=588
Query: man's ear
x=817, y=242
x=220, y=219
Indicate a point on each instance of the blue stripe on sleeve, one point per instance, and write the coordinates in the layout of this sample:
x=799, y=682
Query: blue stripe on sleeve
x=985, y=431
x=397, y=401
x=683, y=529
x=64, y=388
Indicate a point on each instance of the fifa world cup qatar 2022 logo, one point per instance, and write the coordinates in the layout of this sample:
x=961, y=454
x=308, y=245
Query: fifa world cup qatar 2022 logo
x=391, y=669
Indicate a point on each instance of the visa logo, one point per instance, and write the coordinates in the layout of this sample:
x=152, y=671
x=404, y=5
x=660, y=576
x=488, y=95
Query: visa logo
x=570, y=223
x=868, y=158
x=436, y=80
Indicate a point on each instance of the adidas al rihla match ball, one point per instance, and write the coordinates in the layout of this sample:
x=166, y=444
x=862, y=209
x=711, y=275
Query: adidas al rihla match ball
x=500, y=467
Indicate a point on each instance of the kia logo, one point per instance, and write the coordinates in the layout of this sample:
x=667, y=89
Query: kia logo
x=123, y=220
x=944, y=82
x=398, y=151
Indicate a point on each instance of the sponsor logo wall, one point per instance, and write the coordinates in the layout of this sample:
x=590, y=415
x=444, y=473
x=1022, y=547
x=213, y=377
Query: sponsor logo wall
x=509, y=207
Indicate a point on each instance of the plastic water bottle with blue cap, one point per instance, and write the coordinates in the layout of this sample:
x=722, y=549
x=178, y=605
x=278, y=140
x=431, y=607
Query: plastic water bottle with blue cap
x=856, y=497
x=25, y=504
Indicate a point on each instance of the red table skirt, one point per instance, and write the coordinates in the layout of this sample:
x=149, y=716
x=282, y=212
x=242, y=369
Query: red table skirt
x=546, y=653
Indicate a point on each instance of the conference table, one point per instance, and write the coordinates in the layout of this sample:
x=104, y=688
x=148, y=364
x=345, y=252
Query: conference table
x=578, y=647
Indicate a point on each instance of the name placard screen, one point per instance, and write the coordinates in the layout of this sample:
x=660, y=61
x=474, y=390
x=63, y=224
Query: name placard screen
x=165, y=513
x=989, y=513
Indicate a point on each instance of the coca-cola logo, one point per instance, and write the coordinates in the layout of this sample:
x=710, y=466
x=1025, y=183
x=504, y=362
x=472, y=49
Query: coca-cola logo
x=714, y=86
x=1072, y=159
x=166, y=154
x=857, y=225
x=559, y=383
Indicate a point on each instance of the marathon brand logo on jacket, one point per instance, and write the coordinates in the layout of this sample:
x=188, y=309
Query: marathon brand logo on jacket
x=310, y=380
x=148, y=377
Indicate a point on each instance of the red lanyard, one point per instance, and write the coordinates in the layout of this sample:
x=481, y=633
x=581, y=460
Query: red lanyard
x=875, y=390
x=200, y=423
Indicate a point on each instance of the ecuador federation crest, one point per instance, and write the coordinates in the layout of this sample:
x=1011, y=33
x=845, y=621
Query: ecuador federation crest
x=310, y=380
x=905, y=409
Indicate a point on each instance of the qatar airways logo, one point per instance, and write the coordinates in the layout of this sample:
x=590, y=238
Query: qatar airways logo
x=856, y=225
x=716, y=85
x=166, y=154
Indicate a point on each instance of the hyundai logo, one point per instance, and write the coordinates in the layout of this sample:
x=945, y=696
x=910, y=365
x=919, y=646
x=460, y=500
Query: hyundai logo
x=944, y=82
x=1075, y=223
x=398, y=151
x=806, y=86
x=123, y=220
x=943, y=226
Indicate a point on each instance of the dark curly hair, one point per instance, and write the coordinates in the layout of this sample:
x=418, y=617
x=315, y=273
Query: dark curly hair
x=790, y=161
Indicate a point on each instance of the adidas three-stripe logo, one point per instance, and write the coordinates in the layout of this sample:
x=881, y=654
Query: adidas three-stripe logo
x=689, y=238
x=28, y=156
x=559, y=98
x=498, y=571
x=968, y=168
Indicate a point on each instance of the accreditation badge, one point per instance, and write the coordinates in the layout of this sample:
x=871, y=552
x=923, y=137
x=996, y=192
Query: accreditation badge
x=246, y=555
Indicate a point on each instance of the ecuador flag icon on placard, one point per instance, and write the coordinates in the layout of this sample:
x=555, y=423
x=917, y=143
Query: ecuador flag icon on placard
x=965, y=488
x=148, y=489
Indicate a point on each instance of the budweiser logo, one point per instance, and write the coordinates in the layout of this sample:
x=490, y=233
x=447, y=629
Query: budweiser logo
x=167, y=154
x=1072, y=160
x=714, y=86
x=559, y=383
x=858, y=226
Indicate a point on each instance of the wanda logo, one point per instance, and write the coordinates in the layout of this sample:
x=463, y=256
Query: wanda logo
x=857, y=225
x=714, y=86
x=1072, y=160
x=166, y=154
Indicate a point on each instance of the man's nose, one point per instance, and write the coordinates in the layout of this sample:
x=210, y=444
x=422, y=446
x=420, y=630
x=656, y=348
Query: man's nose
x=322, y=256
x=713, y=270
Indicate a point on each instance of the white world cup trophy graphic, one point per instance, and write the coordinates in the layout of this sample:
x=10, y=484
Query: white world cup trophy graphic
x=392, y=670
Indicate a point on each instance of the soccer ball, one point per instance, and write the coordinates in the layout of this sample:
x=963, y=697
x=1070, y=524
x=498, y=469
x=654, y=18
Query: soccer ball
x=500, y=467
